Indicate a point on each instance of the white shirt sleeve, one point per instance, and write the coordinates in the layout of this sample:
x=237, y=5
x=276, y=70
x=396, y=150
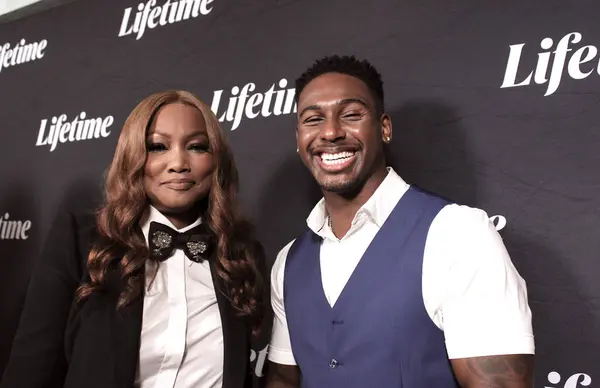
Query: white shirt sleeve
x=280, y=349
x=471, y=288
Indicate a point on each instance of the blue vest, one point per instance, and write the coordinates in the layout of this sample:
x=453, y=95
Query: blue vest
x=378, y=334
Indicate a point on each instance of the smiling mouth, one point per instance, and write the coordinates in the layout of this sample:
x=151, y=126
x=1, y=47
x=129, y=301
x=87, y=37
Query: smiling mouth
x=179, y=185
x=336, y=161
x=331, y=159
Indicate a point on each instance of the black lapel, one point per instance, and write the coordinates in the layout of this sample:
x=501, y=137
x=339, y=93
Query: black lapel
x=235, y=339
x=126, y=328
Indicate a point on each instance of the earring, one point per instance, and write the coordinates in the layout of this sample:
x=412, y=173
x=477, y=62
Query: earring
x=387, y=139
x=297, y=149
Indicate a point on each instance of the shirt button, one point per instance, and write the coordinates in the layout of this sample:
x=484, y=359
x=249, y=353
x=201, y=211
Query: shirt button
x=333, y=363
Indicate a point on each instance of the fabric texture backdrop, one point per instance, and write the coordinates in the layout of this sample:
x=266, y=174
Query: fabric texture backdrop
x=494, y=105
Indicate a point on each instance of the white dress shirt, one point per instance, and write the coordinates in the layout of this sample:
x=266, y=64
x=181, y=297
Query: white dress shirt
x=470, y=288
x=181, y=338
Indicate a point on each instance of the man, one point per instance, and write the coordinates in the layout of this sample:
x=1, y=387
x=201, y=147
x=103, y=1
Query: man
x=389, y=286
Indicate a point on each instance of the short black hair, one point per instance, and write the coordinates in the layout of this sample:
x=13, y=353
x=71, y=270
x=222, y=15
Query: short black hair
x=349, y=65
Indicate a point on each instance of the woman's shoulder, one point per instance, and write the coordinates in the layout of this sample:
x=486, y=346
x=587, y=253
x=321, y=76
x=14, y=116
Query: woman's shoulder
x=81, y=222
x=74, y=229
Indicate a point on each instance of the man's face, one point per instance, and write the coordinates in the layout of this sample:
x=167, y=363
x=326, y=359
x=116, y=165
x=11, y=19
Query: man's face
x=339, y=133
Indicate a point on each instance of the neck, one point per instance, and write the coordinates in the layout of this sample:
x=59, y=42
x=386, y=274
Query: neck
x=182, y=219
x=343, y=207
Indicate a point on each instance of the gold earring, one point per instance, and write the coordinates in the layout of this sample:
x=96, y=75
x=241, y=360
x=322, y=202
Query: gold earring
x=387, y=139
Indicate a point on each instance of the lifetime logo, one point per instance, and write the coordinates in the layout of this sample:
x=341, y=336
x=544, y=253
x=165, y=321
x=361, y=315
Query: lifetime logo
x=23, y=52
x=61, y=130
x=578, y=66
x=150, y=16
x=246, y=102
x=13, y=229
x=259, y=357
x=498, y=221
x=575, y=381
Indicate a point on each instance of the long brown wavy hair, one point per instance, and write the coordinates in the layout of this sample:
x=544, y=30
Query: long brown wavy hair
x=122, y=245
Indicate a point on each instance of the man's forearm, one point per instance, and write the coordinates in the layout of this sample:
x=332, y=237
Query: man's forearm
x=509, y=371
x=283, y=376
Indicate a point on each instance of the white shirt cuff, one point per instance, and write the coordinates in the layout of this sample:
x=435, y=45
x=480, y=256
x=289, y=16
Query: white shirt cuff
x=487, y=347
x=280, y=356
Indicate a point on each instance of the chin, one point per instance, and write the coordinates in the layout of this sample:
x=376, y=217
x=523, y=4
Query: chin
x=339, y=186
x=175, y=206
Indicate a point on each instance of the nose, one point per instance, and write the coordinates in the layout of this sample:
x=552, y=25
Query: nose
x=331, y=130
x=179, y=161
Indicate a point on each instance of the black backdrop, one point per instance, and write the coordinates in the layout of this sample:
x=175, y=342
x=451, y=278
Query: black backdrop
x=467, y=125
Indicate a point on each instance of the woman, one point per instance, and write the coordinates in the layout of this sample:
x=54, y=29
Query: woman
x=164, y=287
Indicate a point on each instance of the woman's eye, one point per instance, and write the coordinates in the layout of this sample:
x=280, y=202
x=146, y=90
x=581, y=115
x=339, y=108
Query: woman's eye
x=154, y=147
x=199, y=147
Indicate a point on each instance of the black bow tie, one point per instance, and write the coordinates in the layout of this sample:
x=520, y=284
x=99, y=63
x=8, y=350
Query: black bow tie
x=196, y=242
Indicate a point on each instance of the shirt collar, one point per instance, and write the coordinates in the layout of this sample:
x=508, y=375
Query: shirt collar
x=378, y=207
x=152, y=214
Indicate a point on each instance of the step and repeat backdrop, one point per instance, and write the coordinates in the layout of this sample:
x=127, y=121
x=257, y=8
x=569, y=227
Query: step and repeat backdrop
x=494, y=104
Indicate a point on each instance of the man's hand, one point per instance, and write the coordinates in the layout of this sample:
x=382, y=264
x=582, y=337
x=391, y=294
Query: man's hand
x=283, y=376
x=508, y=371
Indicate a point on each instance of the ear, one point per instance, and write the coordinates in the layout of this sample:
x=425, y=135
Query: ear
x=386, y=128
x=297, y=148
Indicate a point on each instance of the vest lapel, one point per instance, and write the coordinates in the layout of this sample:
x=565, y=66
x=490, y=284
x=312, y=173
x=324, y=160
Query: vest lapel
x=235, y=339
x=312, y=278
x=380, y=256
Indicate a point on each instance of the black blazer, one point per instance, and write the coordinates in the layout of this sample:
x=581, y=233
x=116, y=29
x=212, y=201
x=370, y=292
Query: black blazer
x=61, y=344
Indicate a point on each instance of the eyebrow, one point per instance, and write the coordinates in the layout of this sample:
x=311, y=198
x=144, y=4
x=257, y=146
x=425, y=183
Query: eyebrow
x=168, y=136
x=345, y=101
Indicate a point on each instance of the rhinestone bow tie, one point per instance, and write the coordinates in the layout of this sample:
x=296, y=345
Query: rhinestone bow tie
x=195, y=243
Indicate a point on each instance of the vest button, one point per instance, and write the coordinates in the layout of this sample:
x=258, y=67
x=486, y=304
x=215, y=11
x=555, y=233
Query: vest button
x=333, y=363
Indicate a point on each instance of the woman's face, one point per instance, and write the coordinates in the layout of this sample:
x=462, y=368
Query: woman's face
x=180, y=164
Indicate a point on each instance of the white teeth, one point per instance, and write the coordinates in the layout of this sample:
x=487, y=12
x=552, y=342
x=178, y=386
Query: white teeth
x=337, y=158
x=339, y=155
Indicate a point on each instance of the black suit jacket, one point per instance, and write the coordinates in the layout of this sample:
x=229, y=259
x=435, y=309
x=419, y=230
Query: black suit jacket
x=62, y=344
